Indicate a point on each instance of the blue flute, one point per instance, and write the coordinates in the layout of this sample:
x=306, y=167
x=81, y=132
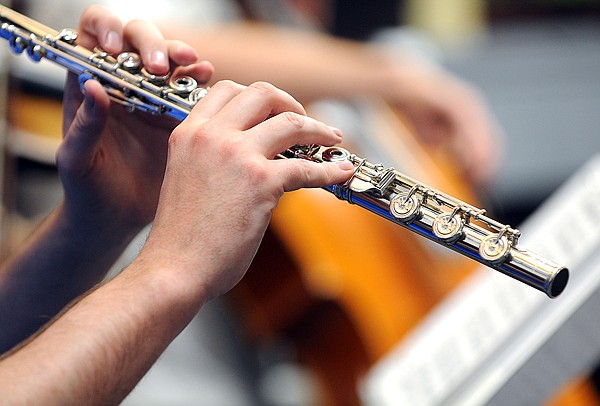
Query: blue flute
x=382, y=190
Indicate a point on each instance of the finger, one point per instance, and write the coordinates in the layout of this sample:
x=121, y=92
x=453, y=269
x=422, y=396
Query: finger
x=181, y=53
x=72, y=99
x=255, y=104
x=299, y=173
x=152, y=46
x=218, y=97
x=201, y=71
x=99, y=26
x=86, y=128
x=287, y=129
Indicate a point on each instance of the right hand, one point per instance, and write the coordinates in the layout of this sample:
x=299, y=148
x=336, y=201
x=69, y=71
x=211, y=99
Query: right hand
x=222, y=181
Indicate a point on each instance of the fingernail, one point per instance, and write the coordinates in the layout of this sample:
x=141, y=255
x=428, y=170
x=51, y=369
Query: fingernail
x=158, y=58
x=345, y=165
x=113, y=41
x=336, y=131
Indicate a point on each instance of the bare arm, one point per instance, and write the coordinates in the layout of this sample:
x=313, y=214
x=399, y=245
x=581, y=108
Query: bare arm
x=309, y=65
x=111, y=183
x=99, y=349
x=200, y=245
x=444, y=109
x=58, y=263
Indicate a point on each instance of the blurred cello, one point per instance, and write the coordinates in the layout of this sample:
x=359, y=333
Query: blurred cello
x=366, y=313
x=343, y=285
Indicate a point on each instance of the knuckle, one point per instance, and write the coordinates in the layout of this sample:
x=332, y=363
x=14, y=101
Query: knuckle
x=136, y=22
x=227, y=149
x=134, y=26
x=88, y=12
x=254, y=173
x=183, y=133
x=227, y=85
x=264, y=87
x=279, y=99
x=176, y=137
x=307, y=169
x=93, y=11
x=303, y=172
x=297, y=121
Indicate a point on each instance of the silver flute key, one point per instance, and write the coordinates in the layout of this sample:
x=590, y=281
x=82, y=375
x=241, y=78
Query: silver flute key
x=384, y=191
x=123, y=77
x=439, y=217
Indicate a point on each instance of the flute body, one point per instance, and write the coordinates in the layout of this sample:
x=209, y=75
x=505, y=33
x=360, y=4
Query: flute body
x=379, y=189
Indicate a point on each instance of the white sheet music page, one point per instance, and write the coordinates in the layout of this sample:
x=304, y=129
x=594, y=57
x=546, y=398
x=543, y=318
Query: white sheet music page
x=493, y=328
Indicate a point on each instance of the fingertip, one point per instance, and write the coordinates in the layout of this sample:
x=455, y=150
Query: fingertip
x=206, y=70
x=96, y=100
x=149, y=41
x=85, y=129
x=99, y=26
x=201, y=71
x=184, y=54
x=342, y=171
x=345, y=166
x=89, y=101
x=112, y=42
x=159, y=62
x=336, y=131
x=155, y=60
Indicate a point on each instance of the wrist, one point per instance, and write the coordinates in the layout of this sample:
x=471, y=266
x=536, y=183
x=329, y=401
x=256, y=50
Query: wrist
x=93, y=246
x=91, y=230
x=177, y=283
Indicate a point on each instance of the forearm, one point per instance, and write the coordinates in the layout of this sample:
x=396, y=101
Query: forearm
x=199, y=247
x=99, y=349
x=58, y=263
x=308, y=65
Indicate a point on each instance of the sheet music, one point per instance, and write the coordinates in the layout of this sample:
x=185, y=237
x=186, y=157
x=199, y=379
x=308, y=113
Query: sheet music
x=492, y=332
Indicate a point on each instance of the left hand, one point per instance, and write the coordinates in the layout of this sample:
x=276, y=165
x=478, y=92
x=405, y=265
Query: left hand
x=112, y=162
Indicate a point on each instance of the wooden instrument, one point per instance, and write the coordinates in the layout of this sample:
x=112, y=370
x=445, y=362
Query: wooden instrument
x=343, y=285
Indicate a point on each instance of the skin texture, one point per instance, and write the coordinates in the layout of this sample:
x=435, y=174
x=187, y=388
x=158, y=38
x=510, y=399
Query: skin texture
x=201, y=243
x=445, y=111
x=111, y=164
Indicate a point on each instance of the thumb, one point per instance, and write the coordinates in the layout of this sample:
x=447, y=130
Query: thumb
x=85, y=130
x=300, y=173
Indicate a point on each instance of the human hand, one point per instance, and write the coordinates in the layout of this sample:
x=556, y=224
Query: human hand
x=111, y=161
x=222, y=182
x=446, y=112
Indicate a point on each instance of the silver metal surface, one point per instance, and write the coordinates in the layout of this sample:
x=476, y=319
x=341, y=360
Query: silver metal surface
x=122, y=77
x=441, y=218
x=384, y=191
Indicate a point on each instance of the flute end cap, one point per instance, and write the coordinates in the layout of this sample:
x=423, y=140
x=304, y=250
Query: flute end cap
x=558, y=283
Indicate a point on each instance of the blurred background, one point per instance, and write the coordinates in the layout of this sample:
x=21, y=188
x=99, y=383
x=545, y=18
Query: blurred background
x=538, y=68
x=536, y=63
